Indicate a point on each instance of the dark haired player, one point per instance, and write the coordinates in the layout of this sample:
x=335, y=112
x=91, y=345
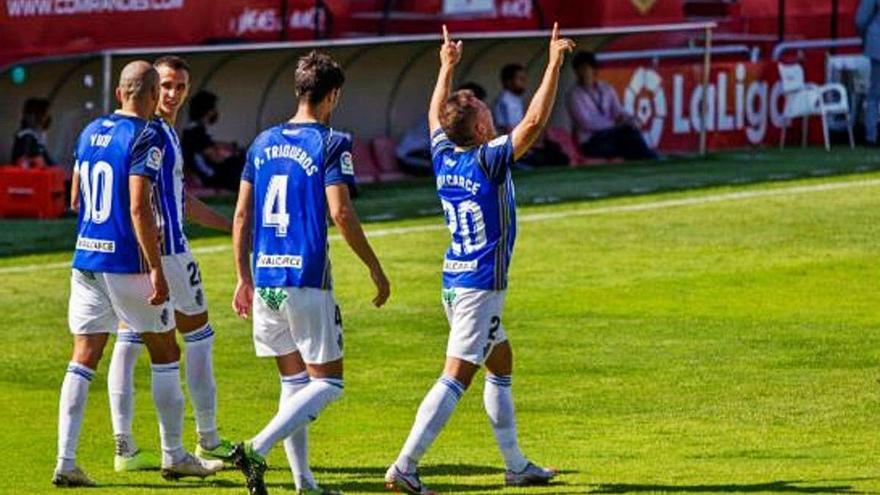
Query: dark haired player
x=295, y=172
x=472, y=168
x=175, y=204
x=118, y=273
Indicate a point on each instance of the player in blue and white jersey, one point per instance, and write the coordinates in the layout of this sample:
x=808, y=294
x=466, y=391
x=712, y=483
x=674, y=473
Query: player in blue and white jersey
x=187, y=293
x=296, y=173
x=117, y=270
x=472, y=170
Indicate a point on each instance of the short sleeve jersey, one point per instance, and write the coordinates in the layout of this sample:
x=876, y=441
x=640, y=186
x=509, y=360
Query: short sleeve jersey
x=290, y=165
x=108, y=151
x=171, y=203
x=477, y=195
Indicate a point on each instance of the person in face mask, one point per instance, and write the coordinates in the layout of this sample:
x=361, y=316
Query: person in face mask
x=29, y=148
x=217, y=164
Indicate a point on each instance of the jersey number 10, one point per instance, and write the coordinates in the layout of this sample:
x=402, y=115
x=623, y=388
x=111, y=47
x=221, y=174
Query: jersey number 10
x=96, y=209
x=275, y=206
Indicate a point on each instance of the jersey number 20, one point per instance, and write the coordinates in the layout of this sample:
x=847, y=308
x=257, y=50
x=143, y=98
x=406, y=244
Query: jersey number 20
x=275, y=205
x=96, y=208
x=467, y=222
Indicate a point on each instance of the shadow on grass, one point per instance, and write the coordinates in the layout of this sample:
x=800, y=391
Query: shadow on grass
x=189, y=484
x=427, y=470
x=769, y=487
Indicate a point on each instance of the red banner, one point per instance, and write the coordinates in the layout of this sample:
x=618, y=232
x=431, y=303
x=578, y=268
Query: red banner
x=745, y=104
x=32, y=28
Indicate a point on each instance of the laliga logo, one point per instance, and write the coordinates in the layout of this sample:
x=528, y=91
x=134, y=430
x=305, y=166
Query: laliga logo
x=643, y=6
x=644, y=98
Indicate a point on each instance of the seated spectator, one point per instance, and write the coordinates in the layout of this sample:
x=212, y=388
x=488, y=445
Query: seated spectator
x=510, y=108
x=217, y=164
x=601, y=126
x=29, y=148
x=414, y=149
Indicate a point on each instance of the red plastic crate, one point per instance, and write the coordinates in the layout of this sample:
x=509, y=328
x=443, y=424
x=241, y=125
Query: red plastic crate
x=31, y=193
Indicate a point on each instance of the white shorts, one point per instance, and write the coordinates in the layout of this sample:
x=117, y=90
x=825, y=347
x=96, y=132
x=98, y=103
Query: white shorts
x=185, y=283
x=304, y=319
x=474, y=323
x=98, y=301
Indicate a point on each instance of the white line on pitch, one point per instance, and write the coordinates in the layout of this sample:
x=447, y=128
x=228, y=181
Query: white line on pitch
x=555, y=215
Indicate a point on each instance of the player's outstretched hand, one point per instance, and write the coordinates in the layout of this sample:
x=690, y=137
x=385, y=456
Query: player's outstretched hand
x=243, y=299
x=559, y=46
x=383, y=287
x=160, y=287
x=450, y=51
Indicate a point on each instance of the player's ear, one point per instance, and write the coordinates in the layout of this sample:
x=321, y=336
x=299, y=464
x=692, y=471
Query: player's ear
x=119, y=97
x=335, y=96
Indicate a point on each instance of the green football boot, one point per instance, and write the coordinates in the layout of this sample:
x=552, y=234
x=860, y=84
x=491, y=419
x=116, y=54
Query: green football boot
x=142, y=460
x=252, y=465
x=222, y=452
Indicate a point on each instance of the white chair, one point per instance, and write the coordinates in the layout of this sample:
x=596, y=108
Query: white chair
x=803, y=99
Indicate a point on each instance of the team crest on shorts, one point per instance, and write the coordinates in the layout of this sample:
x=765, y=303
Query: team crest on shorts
x=164, y=317
x=273, y=297
x=448, y=296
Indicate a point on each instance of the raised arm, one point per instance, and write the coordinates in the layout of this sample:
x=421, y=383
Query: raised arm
x=346, y=219
x=199, y=212
x=450, y=56
x=147, y=233
x=527, y=132
x=242, y=226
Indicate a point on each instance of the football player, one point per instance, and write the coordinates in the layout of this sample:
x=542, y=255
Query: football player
x=175, y=204
x=296, y=173
x=117, y=271
x=472, y=170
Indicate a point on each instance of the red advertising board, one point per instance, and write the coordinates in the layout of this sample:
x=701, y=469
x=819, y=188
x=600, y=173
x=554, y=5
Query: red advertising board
x=33, y=28
x=745, y=104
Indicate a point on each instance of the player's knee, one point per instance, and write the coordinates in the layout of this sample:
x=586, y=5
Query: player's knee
x=163, y=349
x=88, y=352
x=463, y=371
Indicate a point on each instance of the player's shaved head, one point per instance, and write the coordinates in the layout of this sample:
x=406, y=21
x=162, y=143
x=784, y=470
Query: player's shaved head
x=138, y=81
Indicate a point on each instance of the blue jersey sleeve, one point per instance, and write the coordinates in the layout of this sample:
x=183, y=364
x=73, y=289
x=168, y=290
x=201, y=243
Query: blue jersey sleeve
x=496, y=158
x=440, y=147
x=147, y=153
x=247, y=174
x=339, y=166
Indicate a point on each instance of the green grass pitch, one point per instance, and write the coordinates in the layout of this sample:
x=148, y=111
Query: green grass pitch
x=712, y=341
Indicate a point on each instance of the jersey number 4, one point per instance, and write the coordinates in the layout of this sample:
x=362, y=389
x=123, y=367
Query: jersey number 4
x=465, y=222
x=96, y=186
x=275, y=206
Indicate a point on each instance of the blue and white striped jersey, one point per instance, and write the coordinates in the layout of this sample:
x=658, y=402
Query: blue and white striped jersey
x=171, y=200
x=289, y=166
x=476, y=191
x=108, y=151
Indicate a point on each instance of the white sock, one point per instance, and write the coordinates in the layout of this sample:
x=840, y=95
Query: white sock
x=71, y=407
x=169, y=405
x=498, y=400
x=201, y=385
x=296, y=446
x=435, y=411
x=120, y=387
x=297, y=412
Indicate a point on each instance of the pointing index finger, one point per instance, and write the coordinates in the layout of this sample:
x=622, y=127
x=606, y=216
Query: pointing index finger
x=555, y=35
x=445, y=35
